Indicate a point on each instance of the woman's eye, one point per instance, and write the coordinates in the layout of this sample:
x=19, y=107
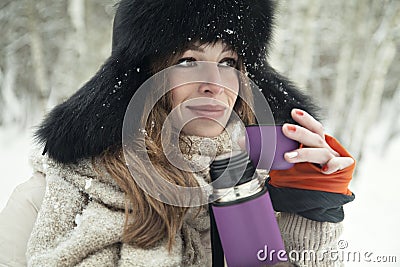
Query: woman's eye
x=228, y=62
x=187, y=62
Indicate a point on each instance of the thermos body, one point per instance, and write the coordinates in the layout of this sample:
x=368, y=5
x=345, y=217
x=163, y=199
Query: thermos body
x=243, y=214
x=249, y=231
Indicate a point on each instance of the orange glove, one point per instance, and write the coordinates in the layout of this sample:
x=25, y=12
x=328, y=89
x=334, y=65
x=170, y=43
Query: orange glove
x=308, y=176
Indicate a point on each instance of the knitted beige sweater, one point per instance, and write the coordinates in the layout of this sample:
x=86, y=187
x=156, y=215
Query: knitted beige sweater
x=81, y=220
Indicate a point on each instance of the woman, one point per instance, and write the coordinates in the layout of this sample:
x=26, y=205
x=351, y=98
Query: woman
x=96, y=212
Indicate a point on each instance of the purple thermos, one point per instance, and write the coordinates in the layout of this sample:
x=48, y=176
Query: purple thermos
x=243, y=214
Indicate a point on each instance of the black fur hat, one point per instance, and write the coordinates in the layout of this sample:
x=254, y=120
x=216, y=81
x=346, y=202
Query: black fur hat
x=91, y=120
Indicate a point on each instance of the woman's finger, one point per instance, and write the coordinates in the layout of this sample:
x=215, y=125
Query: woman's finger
x=337, y=163
x=313, y=155
x=308, y=121
x=306, y=137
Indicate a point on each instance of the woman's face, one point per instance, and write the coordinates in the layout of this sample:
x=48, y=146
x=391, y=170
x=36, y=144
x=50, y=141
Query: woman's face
x=203, y=107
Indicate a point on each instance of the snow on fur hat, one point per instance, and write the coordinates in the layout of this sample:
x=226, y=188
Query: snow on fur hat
x=91, y=120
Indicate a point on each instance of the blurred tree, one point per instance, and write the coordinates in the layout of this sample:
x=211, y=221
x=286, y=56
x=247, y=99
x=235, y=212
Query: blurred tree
x=346, y=54
x=48, y=49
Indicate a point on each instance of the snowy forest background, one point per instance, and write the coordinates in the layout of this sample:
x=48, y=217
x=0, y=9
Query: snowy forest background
x=345, y=53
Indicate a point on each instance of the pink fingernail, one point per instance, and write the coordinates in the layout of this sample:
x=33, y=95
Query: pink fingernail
x=299, y=112
x=291, y=128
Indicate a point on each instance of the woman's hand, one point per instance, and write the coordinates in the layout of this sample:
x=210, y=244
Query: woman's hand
x=315, y=149
x=317, y=186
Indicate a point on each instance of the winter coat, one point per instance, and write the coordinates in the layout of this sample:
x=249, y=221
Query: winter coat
x=17, y=220
x=84, y=232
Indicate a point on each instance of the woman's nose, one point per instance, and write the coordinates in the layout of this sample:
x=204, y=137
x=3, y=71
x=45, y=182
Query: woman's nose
x=211, y=89
x=212, y=83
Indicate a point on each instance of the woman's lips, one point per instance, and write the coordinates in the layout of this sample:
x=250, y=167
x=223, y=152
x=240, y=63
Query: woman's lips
x=208, y=111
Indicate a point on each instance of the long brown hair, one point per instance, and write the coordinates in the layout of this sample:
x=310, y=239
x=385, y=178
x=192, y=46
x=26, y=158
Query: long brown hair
x=148, y=220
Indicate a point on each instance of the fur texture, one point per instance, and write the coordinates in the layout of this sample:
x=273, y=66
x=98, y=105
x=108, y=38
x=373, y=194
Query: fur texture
x=91, y=120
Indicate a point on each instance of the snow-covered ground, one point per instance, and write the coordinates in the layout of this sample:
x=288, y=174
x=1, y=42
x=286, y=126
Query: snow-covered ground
x=15, y=145
x=371, y=223
x=372, y=220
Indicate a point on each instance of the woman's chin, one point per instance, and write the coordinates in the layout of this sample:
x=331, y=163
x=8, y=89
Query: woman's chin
x=203, y=128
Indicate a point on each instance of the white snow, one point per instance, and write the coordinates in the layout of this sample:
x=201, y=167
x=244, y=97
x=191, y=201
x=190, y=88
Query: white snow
x=228, y=31
x=14, y=160
x=78, y=219
x=372, y=220
x=88, y=183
